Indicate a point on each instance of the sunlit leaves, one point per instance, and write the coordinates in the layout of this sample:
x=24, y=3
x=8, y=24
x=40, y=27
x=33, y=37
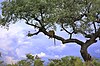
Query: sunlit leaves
x=50, y=12
x=71, y=61
x=29, y=56
x=38, y=62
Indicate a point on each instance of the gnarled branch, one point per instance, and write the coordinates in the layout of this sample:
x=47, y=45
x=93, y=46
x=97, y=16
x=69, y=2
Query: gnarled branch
x=62, y=39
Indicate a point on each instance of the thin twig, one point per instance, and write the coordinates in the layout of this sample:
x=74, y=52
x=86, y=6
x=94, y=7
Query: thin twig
x=31, y=34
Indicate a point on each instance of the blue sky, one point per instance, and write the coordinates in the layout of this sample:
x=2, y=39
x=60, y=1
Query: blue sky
x=14, y=44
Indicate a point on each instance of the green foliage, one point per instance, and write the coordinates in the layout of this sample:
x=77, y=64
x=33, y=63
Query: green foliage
x=73, y=16
x=64, y=61
x=38, y=62
x=29, y=56
x=51, y=64
x=24, y=63
x=30, y=61
x=71, y=61
x=51, y=12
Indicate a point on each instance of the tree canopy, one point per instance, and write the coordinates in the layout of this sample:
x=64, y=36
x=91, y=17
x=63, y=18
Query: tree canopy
x=73, y=17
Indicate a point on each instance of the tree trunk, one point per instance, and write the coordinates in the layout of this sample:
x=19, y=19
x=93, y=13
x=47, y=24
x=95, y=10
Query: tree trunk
x=84, y=53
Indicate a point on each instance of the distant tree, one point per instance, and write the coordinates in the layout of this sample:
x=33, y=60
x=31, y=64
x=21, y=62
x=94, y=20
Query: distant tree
x=64, y=61
x=29, y=61
x=34, y=60
x=1, y=61
x=38, y=62
x=20, y=63
x=72, y=61
x=75, y=17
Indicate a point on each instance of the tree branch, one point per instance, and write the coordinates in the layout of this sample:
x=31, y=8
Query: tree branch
x=39, y=22
x=93, y=38
x=27, y=22
x=77, y=18
x=41, y=13
x=31, y=34
x=98, y=21
x=32, y=25
x=65, y=29
x=94, y=26
x=80, y=31
x=62, y=39
x=74, y=41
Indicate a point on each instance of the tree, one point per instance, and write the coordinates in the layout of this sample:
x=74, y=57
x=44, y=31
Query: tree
x=66, y=61
x=75, y=17
x=35, y=60
x=72, y=61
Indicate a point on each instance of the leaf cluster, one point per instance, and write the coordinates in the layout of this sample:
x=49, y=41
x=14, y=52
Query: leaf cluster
x=52, y=12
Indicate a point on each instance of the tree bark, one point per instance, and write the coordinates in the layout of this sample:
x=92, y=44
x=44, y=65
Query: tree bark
x=84, y=53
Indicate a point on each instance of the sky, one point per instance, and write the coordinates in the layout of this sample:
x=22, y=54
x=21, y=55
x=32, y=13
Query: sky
x=14, y=44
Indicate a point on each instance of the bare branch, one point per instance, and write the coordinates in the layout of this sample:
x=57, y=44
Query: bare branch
x=32, y=25
x=74, y=41
x=94, y=26
x=71, y=35
x=31, y=34
x=39, y=21
x=98, y=21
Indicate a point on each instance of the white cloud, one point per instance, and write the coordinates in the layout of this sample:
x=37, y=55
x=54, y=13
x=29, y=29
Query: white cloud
x=10, y=60
x=57, y=56
x=37, y=45
x=13, y=39
x=4, y=44
x=7, y=35
x=22, y=51
x=57, y=48
x=42, y=54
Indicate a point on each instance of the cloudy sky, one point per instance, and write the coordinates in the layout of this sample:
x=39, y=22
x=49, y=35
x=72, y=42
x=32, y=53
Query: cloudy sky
x=14, y=44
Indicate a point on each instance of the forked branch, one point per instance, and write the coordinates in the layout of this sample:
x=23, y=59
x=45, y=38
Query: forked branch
x=62, y=39
x=93, y=38
x=67, y=31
